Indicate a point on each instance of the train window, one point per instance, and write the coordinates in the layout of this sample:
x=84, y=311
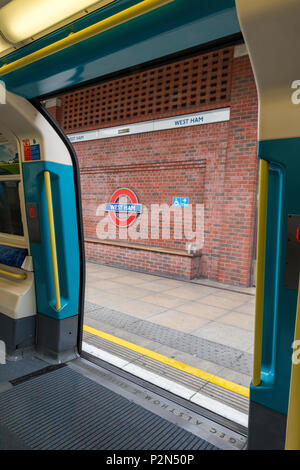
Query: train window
x=10, y=210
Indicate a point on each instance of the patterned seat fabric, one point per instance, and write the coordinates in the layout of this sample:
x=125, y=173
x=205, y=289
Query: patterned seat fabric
x=12, y=256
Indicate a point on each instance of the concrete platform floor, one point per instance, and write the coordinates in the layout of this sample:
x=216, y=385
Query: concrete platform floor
x=204, y=309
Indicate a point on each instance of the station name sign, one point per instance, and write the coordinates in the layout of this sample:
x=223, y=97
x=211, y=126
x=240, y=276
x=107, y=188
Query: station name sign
x=123, y=208
x=186, y=120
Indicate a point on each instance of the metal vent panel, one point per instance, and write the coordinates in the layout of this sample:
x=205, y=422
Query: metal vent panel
x=64, y=410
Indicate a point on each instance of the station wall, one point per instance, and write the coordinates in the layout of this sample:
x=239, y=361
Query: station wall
x=214, y=165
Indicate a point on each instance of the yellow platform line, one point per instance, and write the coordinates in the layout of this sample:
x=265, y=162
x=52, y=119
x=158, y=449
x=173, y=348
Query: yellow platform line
x=233, y=387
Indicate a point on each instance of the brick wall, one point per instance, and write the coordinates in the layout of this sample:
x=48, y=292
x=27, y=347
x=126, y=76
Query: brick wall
x=183, y=87
x=213, y=164
x=155, y=168
x=240, y=180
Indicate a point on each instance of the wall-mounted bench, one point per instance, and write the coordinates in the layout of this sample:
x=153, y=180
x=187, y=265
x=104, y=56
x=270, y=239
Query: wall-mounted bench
x=17, y=300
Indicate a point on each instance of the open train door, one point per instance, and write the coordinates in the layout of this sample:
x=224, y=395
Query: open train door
x=271, y=32
x=41, y=243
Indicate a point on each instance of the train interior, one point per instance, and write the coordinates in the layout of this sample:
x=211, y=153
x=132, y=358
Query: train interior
x=55, y=393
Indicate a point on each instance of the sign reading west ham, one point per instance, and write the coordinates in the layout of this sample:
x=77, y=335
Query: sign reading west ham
x=123, y=213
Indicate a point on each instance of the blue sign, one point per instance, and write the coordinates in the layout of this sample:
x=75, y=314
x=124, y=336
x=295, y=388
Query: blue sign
x=180, y=201
x=113, y=207
x=35, y=152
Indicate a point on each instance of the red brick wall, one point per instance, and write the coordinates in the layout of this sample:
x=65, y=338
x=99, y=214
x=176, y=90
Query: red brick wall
x=240, y=181
x=163, y=164
x=56, y=113
x=128, y=162
x=54, y=107
x=183, y=87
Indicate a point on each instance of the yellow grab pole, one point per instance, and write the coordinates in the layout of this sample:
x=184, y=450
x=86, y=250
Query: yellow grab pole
x=292, y=441
x=260, y=269
x=13, y=275
x=74, y=38
x=52, y=239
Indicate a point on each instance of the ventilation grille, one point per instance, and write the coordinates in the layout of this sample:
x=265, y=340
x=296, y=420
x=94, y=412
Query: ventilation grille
x=189, y=85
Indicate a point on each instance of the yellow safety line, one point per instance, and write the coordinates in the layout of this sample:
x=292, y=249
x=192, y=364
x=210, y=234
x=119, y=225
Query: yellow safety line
x=260, y=269
x=13, y=275
x=52, y=239
x=115, y=20
x=239, y=389
x=292, y=441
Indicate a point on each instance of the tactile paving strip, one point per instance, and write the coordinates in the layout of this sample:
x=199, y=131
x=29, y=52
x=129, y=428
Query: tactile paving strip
x=220, y=354
x=65, y=410
x=227, y=397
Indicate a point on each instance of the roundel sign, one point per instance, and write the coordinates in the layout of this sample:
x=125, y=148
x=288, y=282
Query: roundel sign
x=123, y=207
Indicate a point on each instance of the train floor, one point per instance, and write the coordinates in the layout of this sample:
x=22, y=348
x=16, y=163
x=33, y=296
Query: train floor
x=88, y=404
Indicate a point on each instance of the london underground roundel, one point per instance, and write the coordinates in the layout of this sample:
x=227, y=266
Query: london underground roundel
x=123, y=207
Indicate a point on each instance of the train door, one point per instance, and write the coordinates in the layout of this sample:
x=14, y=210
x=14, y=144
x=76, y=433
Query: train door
x=270, y=26
x=41, y=269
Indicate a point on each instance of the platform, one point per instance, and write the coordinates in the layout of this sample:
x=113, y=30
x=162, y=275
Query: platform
x=201, y=323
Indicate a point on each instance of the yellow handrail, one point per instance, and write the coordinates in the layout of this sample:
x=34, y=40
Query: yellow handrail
x=52, y=239
x=74, y=38
x=16, y=276
x=260, y=269
x=292, y=441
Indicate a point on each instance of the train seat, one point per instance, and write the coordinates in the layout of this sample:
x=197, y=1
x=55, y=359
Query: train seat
x=17, y=296
x=17, y=299
x=12, y=256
